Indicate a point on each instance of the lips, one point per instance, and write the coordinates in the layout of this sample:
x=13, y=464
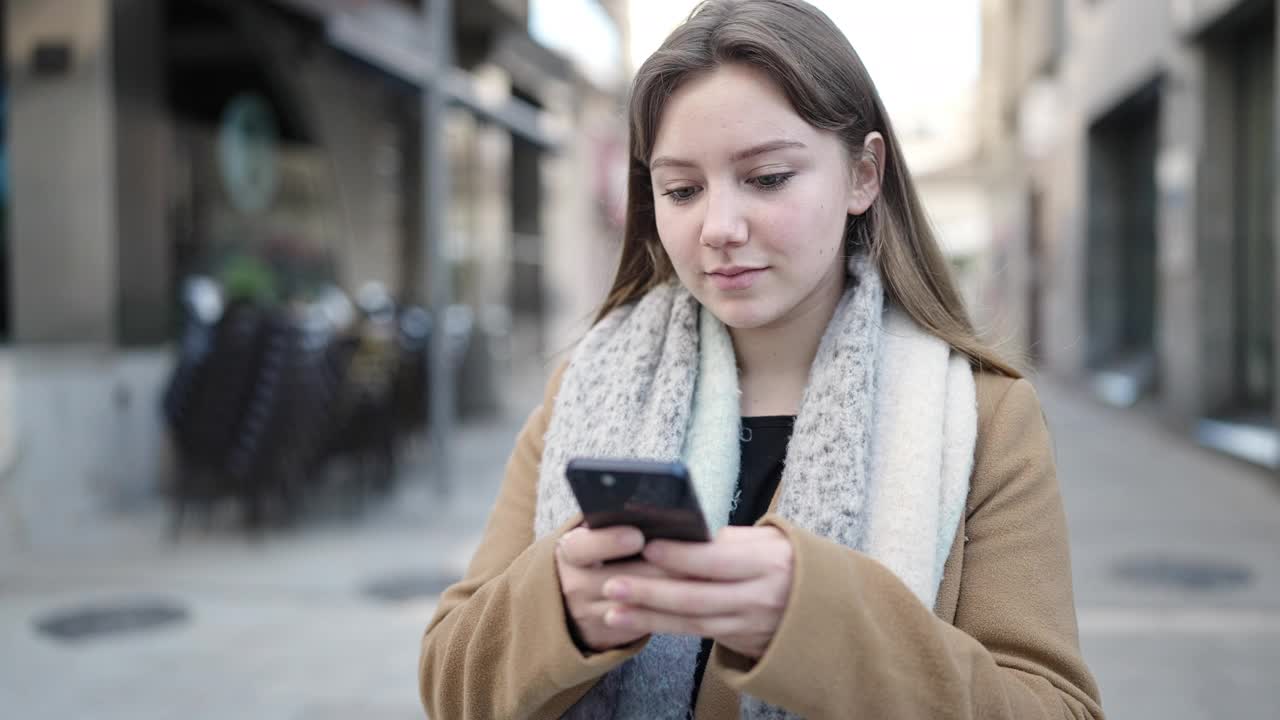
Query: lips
x=735, y=278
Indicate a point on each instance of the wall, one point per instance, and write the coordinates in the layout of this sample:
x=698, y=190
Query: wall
x=1112, y=50
x=62, y=174
x=89, y=443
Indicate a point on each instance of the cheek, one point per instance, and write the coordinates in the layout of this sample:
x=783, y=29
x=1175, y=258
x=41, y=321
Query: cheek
x=679, y=234
x=809, y=233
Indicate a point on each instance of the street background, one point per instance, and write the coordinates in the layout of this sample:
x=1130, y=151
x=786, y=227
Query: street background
x=277, y=292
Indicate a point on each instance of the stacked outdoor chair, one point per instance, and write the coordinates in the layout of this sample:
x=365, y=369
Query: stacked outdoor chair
x=363, y=437
x=205, y=402
x=265, y=403
x=288, y=413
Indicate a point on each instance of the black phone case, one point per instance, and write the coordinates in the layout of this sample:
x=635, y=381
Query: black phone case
x=656, y=497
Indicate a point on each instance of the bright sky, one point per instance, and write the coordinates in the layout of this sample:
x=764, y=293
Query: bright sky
x=915, y=50
x=582, y=30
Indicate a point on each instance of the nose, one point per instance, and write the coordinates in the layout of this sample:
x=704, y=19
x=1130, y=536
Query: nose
x=724, y=224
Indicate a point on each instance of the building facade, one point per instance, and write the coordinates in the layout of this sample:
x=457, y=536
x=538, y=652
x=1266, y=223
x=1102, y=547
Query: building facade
x=1130, y=154
x=278, y=147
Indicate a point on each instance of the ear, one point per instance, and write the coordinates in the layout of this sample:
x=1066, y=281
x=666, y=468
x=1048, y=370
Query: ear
x=868, y=173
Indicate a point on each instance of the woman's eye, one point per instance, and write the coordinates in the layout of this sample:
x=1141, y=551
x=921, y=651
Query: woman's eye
x=681, y=194
x=773, y=181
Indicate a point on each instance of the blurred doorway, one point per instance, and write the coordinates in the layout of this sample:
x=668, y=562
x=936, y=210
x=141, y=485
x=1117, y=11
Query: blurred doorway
x=1121, y=266
x=4, y=183
x=1254, y=338
x=1238, y=245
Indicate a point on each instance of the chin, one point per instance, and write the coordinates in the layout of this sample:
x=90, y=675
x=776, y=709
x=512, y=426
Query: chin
x=740, y=314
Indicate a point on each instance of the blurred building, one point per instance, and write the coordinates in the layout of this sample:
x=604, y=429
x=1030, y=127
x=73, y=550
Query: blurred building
x=940, y=141
x=1130, y=152
x=277, y=147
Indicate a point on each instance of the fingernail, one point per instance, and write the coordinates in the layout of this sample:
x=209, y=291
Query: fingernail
x=630, y=539
x=616, y=618
x=616, y=589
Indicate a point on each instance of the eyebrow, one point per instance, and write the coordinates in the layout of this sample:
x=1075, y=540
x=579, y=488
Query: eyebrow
x=760, y=149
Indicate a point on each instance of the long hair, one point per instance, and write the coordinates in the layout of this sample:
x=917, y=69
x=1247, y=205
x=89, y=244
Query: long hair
x=801, y=50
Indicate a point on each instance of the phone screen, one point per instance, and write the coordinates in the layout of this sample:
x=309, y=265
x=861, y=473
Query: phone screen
x=656, y=497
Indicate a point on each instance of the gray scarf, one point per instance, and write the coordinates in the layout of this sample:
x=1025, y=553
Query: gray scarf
x=657, y=380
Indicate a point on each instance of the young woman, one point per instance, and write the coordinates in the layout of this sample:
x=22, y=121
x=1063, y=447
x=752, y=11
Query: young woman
x=891, y=540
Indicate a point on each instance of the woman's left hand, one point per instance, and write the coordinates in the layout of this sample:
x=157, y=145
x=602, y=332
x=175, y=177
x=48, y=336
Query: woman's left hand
x=734, y=589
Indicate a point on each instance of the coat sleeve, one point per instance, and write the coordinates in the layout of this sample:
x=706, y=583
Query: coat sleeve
x=499, y=644
x=856, y=642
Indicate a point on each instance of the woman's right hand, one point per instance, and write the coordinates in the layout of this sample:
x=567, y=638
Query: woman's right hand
x=580, y=557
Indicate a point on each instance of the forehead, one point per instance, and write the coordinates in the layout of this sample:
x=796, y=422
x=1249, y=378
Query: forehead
x=724, y=109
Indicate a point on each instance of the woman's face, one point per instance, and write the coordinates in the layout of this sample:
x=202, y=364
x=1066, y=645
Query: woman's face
x=750, y=200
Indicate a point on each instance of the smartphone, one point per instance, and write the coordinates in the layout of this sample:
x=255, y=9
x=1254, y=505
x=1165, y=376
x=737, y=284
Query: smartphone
x=656, y=497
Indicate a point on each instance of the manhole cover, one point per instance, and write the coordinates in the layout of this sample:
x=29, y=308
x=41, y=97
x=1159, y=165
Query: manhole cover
x=409, y=586
x=1185, y=574
x=127, y=617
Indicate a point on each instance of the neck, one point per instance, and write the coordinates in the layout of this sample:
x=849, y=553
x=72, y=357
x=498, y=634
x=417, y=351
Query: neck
x=774, y=360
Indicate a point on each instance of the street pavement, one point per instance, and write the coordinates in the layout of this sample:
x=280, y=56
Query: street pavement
x=1176, y=553
x=1176, y=556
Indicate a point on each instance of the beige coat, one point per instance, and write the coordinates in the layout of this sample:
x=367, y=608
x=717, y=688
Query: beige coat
x=854, y=642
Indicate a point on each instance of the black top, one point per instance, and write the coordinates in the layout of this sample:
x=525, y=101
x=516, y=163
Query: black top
x=764, y=447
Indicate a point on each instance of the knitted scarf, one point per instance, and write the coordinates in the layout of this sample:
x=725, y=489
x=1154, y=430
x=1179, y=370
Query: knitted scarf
x=878, y=461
